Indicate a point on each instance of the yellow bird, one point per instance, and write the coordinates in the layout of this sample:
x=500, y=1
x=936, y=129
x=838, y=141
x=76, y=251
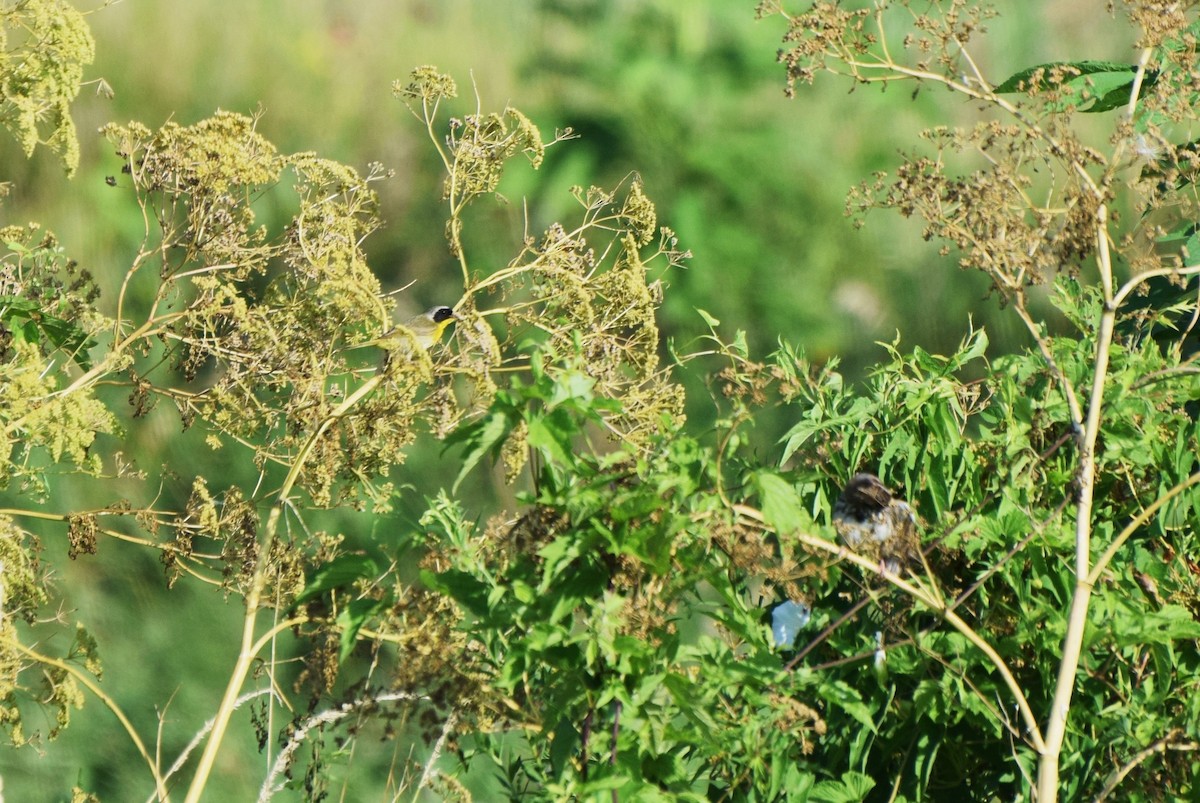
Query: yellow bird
x=426, y=329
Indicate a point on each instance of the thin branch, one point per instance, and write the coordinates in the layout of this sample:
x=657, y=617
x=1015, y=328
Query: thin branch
x=271, y=784
x=1156, y=747
x=436, y=752
x=86, y=681
x=199, y=737
x=1133, y=283
x=1060, y=706
x=1136, y=524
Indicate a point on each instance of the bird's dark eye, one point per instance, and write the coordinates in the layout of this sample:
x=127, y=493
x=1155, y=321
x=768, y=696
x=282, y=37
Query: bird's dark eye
x=442, y=314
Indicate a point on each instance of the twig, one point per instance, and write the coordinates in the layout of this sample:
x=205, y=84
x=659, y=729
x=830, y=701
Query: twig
x=269, y=785
x=1158, y=746
x=1133, y=526
x=436, y=752
x=86, y=681
x=199, y=737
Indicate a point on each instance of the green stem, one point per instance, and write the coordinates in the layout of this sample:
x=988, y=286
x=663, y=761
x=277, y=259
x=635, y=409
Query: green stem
x=1068, y=668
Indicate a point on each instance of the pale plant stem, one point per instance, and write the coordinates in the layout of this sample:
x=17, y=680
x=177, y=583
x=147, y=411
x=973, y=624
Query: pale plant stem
x=204, y=731
x=271, y=785
x=249, y=647
x=1133, y=283
x=1068, y=668
x=435, y=753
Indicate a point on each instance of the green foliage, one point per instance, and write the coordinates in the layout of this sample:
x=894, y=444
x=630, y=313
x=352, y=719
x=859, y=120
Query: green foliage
x=47, y=321
x=606, y=632
x=629, y=672
x=1092, y=86
x=44, y=46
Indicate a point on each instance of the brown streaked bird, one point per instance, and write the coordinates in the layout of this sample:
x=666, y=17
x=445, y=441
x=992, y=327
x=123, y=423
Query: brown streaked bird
x=874, y=523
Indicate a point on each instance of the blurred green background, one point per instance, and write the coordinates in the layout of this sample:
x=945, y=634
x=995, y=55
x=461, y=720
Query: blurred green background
x=688, y=95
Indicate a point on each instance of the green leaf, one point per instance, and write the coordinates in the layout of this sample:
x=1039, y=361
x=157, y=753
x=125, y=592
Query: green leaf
x=1172, y=623
x=939, y=491
x=483, y=436
x=973, y=349
x=571, y=386
x=341, y=572
x=351, y=619
x=12, y=306
x=739, y=344
x=1106, y=85
x=849, y=701
x=795, y=437
x=460, y=586
x=782, y=506
x=563, y=746
x=853, y=787
x=691, y=703
x=549, y=434
x=31, y=321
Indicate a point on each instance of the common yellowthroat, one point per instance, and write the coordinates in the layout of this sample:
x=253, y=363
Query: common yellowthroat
x=428, y=326
x=426, y=329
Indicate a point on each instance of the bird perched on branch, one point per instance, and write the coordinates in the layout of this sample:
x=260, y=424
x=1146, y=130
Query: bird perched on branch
x=874, y=523
x=425, y=329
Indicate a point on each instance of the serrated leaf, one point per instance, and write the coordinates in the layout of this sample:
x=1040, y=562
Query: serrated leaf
x=1170, y=624
x=852, y=788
